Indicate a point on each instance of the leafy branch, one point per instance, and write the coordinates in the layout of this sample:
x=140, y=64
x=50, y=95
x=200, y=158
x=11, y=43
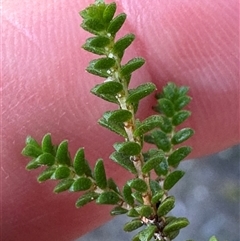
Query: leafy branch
x=145, y=197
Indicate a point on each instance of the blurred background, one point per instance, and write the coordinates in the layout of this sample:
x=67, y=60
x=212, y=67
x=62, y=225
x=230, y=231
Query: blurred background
x=208, y=195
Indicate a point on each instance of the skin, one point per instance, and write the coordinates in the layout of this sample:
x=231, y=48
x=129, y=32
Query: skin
x=46, y=89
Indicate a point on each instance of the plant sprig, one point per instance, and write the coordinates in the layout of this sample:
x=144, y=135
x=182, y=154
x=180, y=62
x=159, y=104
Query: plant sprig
x=145, y=197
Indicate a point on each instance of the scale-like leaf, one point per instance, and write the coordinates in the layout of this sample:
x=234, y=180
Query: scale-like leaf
x=127, y=195
x=96, y=44
x=109, y=12
x=112, y=185
x=148, y=124
x=166, y=125
x=175, y=225
x=31, y=151
x=162, y=168
x=100, y=174
x=140, y=92
x=108, y=197
x=157, y=197
x=155, y=186
x=166, y=106
x=178, y=155
x=133, y=213
x=128, y=148
x=47, y=145
x=181, y=102
x=117, y=116
x=144, y=210
x=121, y=44
x=61, y=173
x=93, y=25
x=182, y=135
x=166, y=206
x=138, y=184
x=172, y=179
x=138, y=197
x=132, y=225
x=131, y=66
x=123, y=161
x=31, y=141
x=81, y=184
x=116, y=23
x=46, y=174
x=118, y=211
x=146, y=234
x=63, y=185
x=152, y=163
x=33, y=164
x=86, y=198
x=180, y=117
x=45, y=159
x=113, y=126
x=62, y=155
x=160, y=139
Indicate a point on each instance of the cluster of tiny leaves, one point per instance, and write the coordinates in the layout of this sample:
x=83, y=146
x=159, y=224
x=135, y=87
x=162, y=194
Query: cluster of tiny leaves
x=143, y=198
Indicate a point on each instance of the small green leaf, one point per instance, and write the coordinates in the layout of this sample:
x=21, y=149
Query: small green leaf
x=93, y=26
x=118, y=211
x=178, y=155
x=109, y=12
x=152, y=163
x=96, y=44
x=174, y=234
x=33, y=164
x=138, y=197
x=31, y=151
x=138, y=184
x=144, y=210
x=132, y=225
x=62, y=155
x=112, y=185
x=100, y=174
x=45, y=159
x=108, y=197
x=61, y=173
x=131, y=66
x=162, y=168
x=47, y=145
x=127, y=195
x=81, y=184
x=101, y=67
x=46, y=174
x=157, y=197
x=128, y=148
x=63, y=185
x=107, y=90
x=123, y=161
x=182, y=135
x=120, y=46
x=140, y=92
x=148, y=124
x=172, y=179
x=175, y=225
x=166, y=125
x=166, y=106
x=166, y=206
x=86, y=198
x=160, y=139
x=147, y=233
x=170, y=91
x=31, y=141
x=181, y=102
x=213, y=238
x=117, y=116
x=116, y=23
x=155, y=187
x=133, y=213
x=180, y=117
x=113, y=126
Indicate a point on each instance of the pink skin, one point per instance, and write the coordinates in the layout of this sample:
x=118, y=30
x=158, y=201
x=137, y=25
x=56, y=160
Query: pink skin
x=46, y=89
